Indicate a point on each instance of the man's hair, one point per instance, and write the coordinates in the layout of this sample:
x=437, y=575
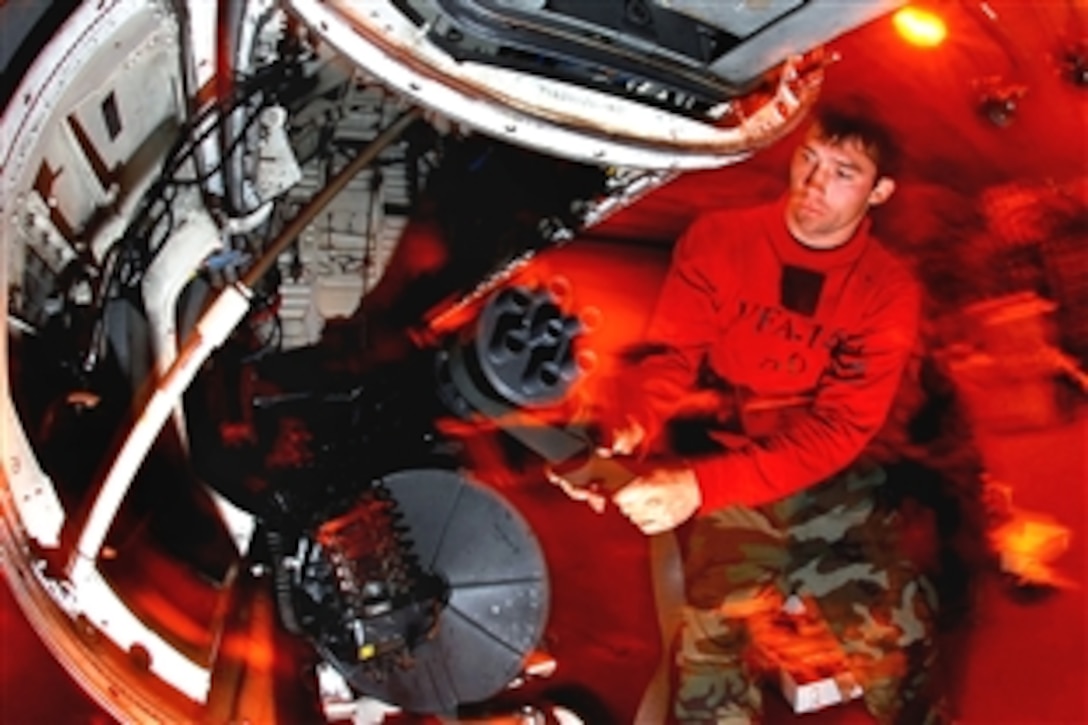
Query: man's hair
x=858, y=123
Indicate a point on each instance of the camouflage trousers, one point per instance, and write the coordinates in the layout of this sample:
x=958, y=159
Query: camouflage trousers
x=833, y=547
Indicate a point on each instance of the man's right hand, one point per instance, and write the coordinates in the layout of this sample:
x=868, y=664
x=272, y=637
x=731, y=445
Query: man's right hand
x=660, y=499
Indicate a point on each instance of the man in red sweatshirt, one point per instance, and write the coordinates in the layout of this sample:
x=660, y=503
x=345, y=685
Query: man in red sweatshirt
x=803, y=323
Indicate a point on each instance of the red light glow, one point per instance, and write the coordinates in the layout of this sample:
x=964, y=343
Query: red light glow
x=920, y=27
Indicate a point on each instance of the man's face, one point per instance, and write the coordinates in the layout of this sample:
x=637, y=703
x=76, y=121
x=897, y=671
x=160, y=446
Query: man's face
x=832, y=186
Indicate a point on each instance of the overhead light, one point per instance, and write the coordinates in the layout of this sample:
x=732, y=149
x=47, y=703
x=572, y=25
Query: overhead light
x=920, y=27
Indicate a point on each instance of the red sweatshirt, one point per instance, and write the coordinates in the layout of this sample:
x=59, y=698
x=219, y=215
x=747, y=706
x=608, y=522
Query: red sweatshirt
x=781, y=319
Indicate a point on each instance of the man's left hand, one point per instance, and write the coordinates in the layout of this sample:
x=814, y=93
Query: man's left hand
x=660, y=499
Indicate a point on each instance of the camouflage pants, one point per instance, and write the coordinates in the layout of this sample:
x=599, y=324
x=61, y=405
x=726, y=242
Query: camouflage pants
x=830, y=546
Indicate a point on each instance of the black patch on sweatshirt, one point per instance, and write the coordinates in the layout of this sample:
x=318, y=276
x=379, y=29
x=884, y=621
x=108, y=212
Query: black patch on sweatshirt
x=799, y=289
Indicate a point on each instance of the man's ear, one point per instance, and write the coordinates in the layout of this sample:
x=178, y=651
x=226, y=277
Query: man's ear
x=882, y=190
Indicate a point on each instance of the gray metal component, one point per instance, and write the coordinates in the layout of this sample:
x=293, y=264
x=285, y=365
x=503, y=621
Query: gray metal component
x=277, y=168
x=18, y=20
x=343, y=253
x=520, y=357
x=554, y=444
x=529, y=5
x=525, y=347
x=740, y=18
x=499, y=593
x=333, y=187
x=818, y=22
